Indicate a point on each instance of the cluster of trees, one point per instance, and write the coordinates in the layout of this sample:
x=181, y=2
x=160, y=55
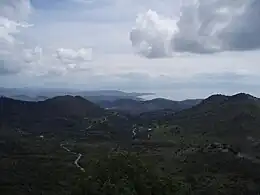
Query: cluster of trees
x=125, y=173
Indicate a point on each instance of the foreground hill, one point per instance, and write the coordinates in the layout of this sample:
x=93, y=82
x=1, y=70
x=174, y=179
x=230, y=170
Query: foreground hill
x=232, y=119
x=50, y=115
x=136, y=106
x=61, y=106
x=222, y=112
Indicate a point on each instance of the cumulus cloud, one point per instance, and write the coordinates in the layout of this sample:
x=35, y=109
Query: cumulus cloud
x=15, y=55
x=13, y=14
x=152, y=35
x=48, y=62
x=17, y=10
x=33, y=55
x=70, y=56
x=7, y=30
x=202, y=26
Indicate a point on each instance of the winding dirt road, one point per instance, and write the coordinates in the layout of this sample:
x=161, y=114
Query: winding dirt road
x=76, y=162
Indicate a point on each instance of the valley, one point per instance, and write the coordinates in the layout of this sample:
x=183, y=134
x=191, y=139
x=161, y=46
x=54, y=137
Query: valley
x=69, y=145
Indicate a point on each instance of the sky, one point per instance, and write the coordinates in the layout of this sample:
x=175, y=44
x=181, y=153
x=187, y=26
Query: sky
x=177, y=49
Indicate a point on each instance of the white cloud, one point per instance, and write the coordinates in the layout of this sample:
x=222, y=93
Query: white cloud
x=201, y=27
x=51, y=63
x=16, y=10
x=33, y=55
x=74, y=57
x=7, y=29
x=12, y=15
x=152, y=35
x=18, y=57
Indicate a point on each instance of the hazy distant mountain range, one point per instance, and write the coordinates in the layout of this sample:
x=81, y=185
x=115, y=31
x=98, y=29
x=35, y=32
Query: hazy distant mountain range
x=132, y=103
x=31, y=94
x=141, y=106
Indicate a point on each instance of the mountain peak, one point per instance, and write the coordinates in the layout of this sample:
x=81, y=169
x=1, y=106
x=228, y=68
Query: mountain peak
x=242, y=97
x=215, y=98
